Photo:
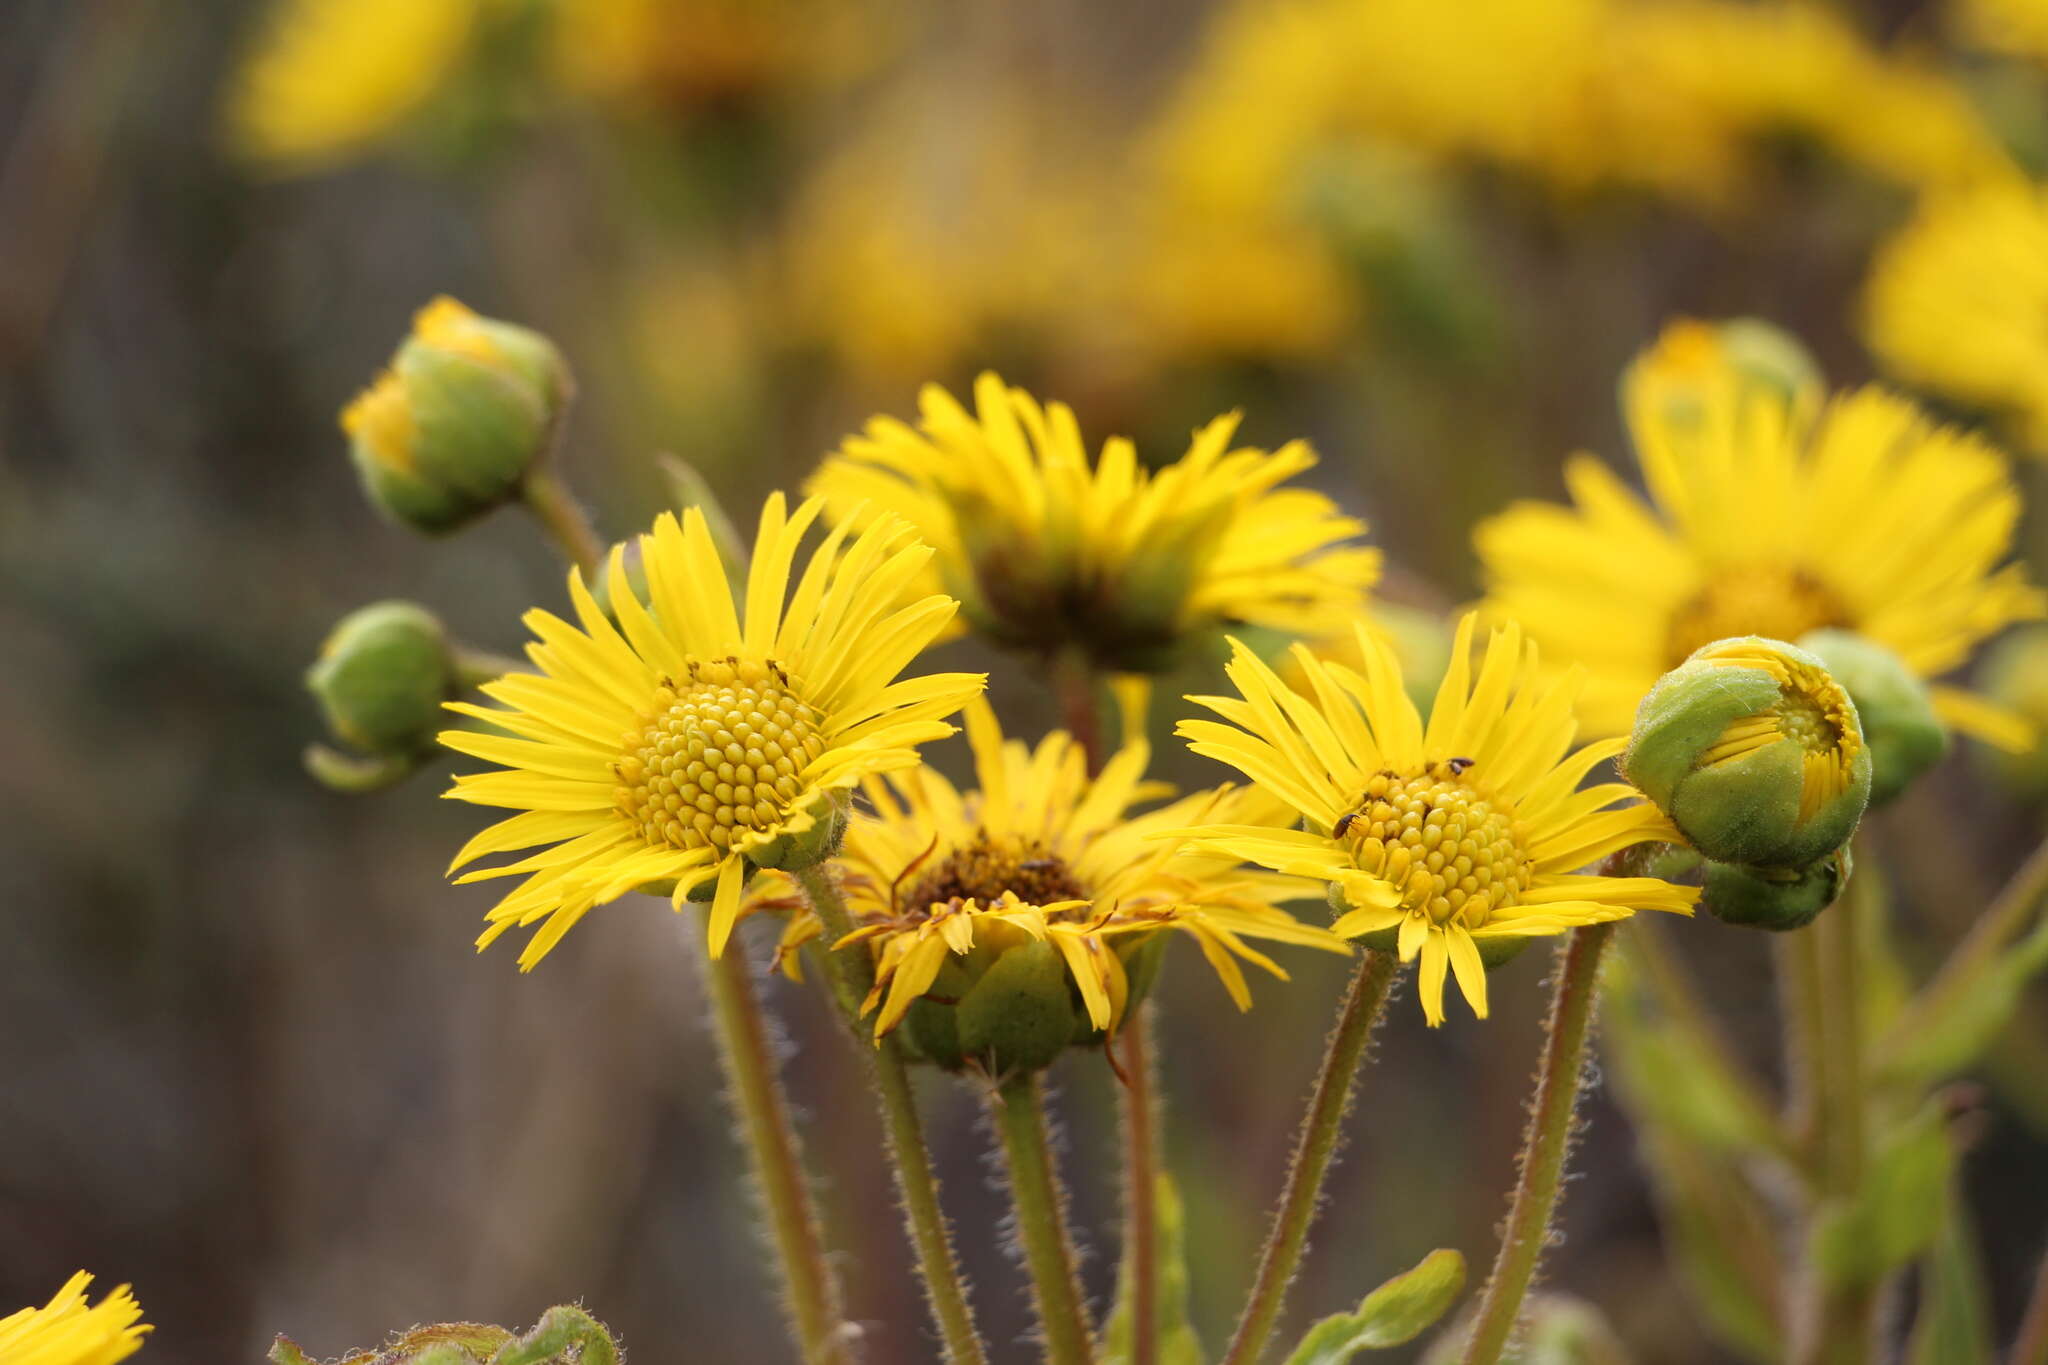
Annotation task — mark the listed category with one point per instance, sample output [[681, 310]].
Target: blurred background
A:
[[252, 1064]]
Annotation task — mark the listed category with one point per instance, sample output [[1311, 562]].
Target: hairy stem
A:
[[810, 1290], [852, 975], [1140, 1113], [564, 519], [1314, 1149], [1546, 1142], [1040, 1203]]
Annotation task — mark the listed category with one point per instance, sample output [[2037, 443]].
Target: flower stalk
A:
[[1545, 1143], [1314, 1149], [564, 519], [811, 1293], [852, 976], [1039, 1200], [1140, 1114]]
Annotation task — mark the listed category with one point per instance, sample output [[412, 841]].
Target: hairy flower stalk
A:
[[851, 974], [1039, 1201], [1546, 1142]]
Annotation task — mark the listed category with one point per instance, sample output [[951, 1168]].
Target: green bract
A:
[[1905, 737], [382, 676], [1774, 898]]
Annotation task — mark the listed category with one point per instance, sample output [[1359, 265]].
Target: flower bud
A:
[[381, 678], [1693, 364], [1774, 897], [2015, 677], [1754, 751], [450, 430], [1905, 737]]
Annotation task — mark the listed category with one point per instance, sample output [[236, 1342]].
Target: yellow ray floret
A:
[[1446, 833], [1767, 515], [66, 1331], [678, 746], [1042, 850], [1047, 549]]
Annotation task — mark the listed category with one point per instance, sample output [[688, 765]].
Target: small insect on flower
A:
[[681, 748], [1445, 859]]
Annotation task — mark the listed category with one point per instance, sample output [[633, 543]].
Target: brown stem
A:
[[1075, 681]]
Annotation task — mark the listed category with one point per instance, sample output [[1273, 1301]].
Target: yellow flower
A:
[[327, 78], [1049, 553], [1468, 832], [66, 1332], [1767, 516], [679, 746], [2017, 28], [1955, 303], [1042, 853]]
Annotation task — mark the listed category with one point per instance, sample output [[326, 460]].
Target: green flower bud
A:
[[2015, 677], [1774, 897], [382, 676], [1905, 737], [1755, 752], [465, 410], [1020, 1016]]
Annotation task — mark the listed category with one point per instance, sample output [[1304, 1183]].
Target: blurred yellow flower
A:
[[2018, 28], [327, 78], [1770, 514], [1440, 838], [686, 53], [1956, 301], [65, 1331], [945, 881], [681, 747], [1049, 553]]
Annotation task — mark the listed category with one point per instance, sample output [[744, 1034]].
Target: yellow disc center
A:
[[1451, 847], [1778, 603], [720, 752], [984, 869]]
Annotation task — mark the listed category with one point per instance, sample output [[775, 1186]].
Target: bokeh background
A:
[[251, 1063]]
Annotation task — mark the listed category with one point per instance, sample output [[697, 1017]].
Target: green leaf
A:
[[1178, 1344], [1898, 1212], [1723, 1242], [1953, 1325], [1398, 1311], [1669, 1078], [560, 1328], [1949, 1031]]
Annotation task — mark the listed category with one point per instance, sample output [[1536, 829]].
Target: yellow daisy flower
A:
[[328, 78], [1049, 553], [65, 1331], [2017, 28], [681, 747], [1043, 853], [1770, 514], [1467, 832], [1955, 301]]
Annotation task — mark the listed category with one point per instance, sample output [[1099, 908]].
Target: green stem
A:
[[1040, 1204], [852, 975], [1314, 1148], [564, 519], [1799, 972], [1140, 1114], [1545, 1143], [1835, 1321], [810, 1291], [475, 667]]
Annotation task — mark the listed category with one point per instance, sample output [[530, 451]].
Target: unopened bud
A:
[[1905, 737], [465, 410], [381, 678], [1755, 752], [1772, 897], [1693, 366]]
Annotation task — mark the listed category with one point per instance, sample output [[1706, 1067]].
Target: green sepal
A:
[[1774, 898], [795, 851], [1020, 1015], [1397, 1312]]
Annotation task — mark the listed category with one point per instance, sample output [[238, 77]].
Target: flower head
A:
[[1955, 301], [680, 747], [1466, 831], [1770, 517], [1042, 860], [65, 1331], [1047, 552]]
